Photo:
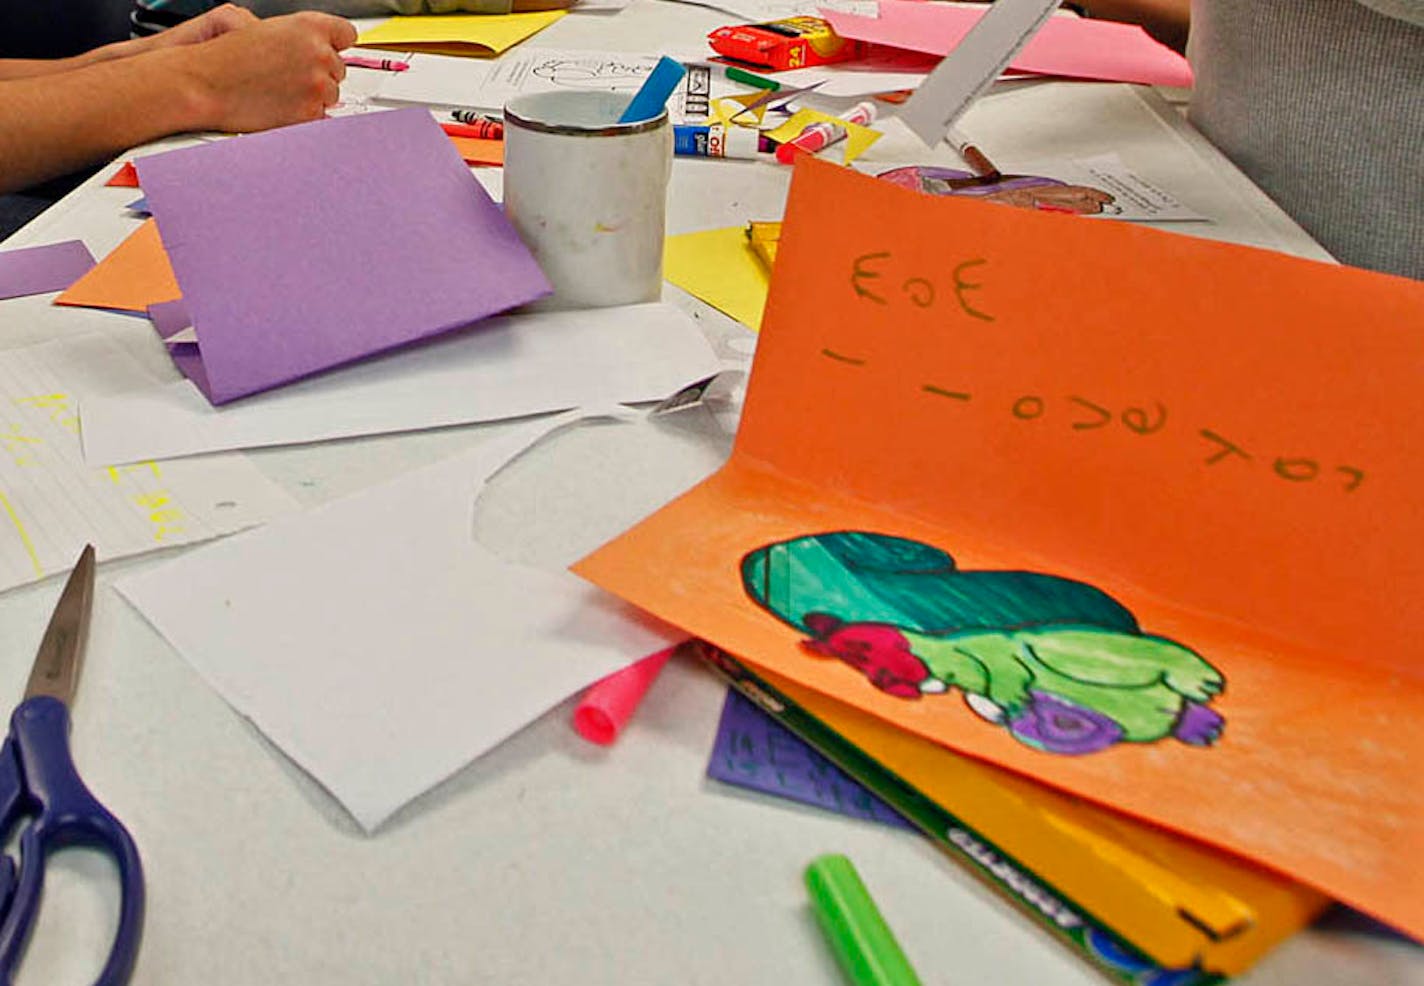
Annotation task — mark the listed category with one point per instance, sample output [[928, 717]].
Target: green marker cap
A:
[[859, 936]]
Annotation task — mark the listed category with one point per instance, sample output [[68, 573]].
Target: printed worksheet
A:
[[52, 504], [442, 80]]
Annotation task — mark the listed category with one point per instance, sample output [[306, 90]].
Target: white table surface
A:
[[548, 861]]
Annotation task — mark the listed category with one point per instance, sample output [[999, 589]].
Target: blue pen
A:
[[649, 100]]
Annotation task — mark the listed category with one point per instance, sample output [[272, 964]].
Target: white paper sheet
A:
[[973, 65], [377, 643], [52, 503], [444, 80], [505, 367]]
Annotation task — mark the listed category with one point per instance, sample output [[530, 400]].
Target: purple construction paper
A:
[[372, 234], [169, 318], [755, 751], [36, 270]]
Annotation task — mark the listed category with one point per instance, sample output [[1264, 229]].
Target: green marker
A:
[[751, 79], [862, 941]]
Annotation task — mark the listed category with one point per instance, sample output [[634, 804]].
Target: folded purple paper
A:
[[37, 270], [372, 235]]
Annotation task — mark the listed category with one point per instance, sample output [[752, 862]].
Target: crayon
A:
[[383, 64], [480, 129]]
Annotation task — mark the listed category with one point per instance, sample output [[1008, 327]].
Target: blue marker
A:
[[649, 101]]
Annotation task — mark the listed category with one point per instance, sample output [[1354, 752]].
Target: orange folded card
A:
[[1128, 512]]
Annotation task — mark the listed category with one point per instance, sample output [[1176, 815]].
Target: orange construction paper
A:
[[135, 275], [479, 150], [1222, 439], [125, 177]]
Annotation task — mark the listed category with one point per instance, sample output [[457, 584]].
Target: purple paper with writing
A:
[[755, 751], [37, 270], [372, 234]]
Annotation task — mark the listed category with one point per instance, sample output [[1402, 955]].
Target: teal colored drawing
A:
[[1060, 664]]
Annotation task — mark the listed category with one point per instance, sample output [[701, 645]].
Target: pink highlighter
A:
[[607, 706], [822, 134]]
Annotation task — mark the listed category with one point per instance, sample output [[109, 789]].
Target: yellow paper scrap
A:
[[719, 267], [858, 138], [727, 107], [457, 34]]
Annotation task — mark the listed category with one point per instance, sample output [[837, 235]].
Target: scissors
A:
[[39, 785]]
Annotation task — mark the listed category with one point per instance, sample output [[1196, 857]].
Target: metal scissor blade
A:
[[56, 669], [785, 94]]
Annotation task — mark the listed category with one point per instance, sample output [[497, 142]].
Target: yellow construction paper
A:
[[719, 267], [858, 138], [457, 34], [738, 107]]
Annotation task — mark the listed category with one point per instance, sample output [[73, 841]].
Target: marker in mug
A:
[[822, 134], [383, 64], [650, 99]]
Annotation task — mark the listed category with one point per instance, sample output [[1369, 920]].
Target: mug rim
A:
[[512, 116]]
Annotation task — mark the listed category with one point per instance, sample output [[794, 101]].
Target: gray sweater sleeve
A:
[[377, 8]]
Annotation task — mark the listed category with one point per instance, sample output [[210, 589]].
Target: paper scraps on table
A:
[[134, 276], [1075, 47], [272, 301], [479, 150], [719, 267], [1139, 536], [52, 503], [125, 177], [857, 141], [754, 751], [402, 619], [506, 367], [42, 269], [457, 34]]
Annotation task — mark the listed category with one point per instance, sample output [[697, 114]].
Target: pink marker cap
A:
[[610, 703]]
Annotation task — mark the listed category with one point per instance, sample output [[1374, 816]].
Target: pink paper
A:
[[606, 707], [1075, 47]]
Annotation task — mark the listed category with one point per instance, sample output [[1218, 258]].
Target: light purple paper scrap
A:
[[373, 234], [37, 270], [755, 751]]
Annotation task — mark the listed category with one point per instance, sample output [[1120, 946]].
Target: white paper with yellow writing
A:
[[52, 504]]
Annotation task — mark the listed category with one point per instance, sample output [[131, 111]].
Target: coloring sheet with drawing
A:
[[52, 503], [442, 80]]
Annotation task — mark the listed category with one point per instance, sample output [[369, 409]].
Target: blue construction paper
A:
[[755, 751]]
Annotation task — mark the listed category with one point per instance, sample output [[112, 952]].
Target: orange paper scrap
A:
[[1144, 526], [479, 150], [135, 275]]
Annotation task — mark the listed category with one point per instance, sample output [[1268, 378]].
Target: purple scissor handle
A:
[[40, 787]]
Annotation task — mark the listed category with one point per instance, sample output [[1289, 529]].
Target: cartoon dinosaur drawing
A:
[[1060, 664]]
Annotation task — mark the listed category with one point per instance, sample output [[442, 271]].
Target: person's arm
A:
[[277, 72], [211, 24], [1166, 20]]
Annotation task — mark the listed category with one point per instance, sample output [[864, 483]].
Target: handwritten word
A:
[[160, 509], [19, 446], [869, 268], [14, 517], [60, 411], [1085, 414]]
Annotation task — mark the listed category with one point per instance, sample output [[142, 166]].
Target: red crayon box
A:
[[795, 42]]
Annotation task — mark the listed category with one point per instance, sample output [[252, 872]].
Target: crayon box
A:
[[795, 42]]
